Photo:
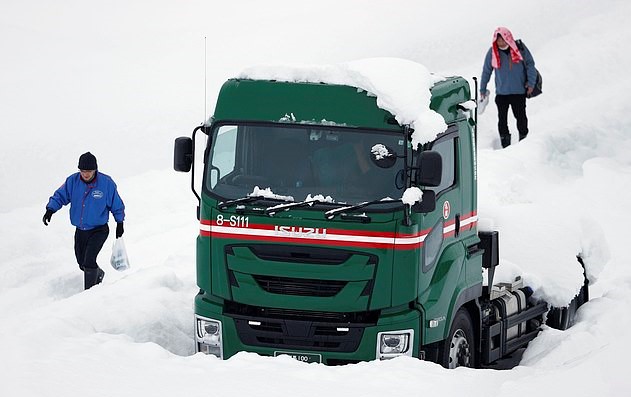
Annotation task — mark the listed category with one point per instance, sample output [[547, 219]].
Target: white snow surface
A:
[[123, 79]]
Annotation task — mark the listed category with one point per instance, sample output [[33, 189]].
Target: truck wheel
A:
[[458, 349]]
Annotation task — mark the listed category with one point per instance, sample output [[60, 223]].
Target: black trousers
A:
[[517, 103], [87, 245]]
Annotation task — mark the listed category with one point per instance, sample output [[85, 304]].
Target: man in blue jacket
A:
[[92, 195], [515, 78]]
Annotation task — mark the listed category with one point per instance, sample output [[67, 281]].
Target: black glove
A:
[[119, 230], [47, 216]]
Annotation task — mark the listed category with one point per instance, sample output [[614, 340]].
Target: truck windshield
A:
[[300, 162]]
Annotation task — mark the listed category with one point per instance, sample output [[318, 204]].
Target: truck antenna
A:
[[205, 77], [475, 79]]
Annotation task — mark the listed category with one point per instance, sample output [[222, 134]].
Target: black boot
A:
[[90, 277], [505, 139], [99, 276], [521, 137]]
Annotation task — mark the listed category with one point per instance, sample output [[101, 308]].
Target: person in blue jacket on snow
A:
[[515, 78], [92, 195]]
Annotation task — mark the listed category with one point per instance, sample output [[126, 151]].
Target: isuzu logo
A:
[[300, 232]]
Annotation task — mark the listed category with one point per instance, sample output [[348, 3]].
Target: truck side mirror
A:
[[427, 204], [430, 170], [183, 154]]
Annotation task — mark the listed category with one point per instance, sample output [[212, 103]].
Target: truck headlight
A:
[[208, 336], [394, 343]]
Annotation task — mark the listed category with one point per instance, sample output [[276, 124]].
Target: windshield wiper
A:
[[331, 213], [248, 199], [245, 200], [280, 207]]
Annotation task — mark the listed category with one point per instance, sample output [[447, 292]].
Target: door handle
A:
[[457, 224]]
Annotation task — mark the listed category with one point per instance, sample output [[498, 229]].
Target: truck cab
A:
[[307, 249]]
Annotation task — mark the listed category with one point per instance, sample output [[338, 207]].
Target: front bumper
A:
[[330, 338]]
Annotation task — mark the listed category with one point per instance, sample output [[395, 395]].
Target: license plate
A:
[[303, 357]]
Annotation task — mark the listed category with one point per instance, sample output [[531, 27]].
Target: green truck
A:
[[306, 248]]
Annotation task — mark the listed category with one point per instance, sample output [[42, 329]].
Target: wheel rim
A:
[[459, 353]]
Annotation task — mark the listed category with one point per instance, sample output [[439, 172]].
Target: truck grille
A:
[[300, 286], [298, 254], [296, 334], [234, 309], [299, 329]]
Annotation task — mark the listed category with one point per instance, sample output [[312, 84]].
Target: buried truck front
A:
[[306, 248]]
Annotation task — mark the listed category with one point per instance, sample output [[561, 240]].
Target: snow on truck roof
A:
[[402, 87]]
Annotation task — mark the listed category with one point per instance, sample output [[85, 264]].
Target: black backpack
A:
[[539, 83]]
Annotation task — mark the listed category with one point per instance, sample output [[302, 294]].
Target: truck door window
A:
[[447, 150], [223, 158]]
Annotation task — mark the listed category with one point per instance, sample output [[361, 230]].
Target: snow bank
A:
[[543, 222], [564, 190]]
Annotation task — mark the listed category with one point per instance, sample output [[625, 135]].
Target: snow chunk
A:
[[288, 118], [402, 87], [412, 195], [267, 193], [380, 151], [332, 123], [321, 198], [469, 105]]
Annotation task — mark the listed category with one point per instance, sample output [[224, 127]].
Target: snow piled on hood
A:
[[402, 87]]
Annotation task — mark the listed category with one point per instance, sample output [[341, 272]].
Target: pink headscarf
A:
[[508, 38]]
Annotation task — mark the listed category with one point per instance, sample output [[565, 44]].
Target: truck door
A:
[[442, 254], [444, 223]]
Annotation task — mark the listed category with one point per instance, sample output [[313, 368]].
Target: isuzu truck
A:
[[308, 248]]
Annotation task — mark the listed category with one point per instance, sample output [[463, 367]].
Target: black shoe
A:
[[505, 140], [522, 137]]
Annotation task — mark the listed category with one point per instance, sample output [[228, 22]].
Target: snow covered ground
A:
[[123, 79]]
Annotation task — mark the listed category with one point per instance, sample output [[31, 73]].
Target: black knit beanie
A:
[[87, 162]]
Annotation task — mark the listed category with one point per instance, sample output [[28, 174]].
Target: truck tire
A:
[[458, 350]]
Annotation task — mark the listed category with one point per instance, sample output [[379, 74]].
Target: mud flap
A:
[[564, 317]]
